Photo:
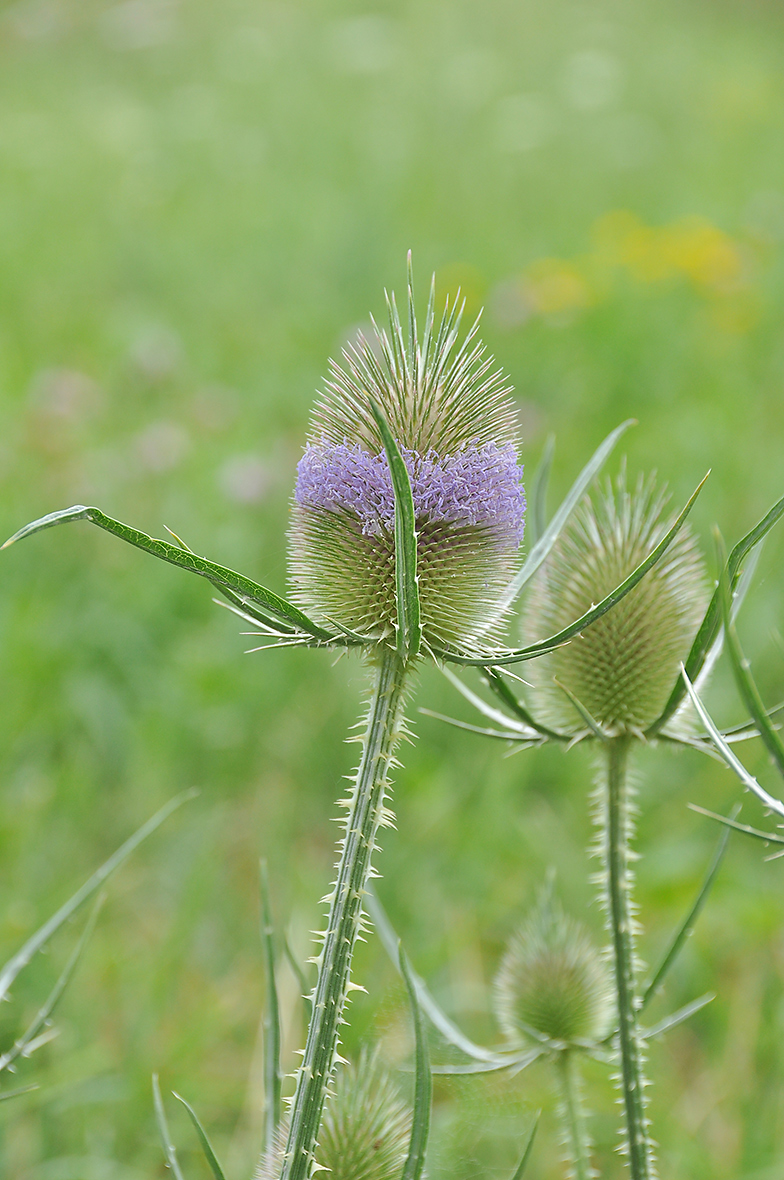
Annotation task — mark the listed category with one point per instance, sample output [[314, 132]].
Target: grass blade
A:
[[709, 628], [169, 1150], [409, 628], [20, 960], [423, 1086], [241, 589], [729, 757], [272, 1076], [529, 1147], [550, 535], [206, 1146], [498, 659], [23, 1046], [687, 925], [437, 1017]]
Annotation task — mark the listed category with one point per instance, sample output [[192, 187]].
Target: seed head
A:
[[552, 981], [623, 667], [450, 412]]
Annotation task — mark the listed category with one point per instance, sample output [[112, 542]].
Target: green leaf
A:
[[678, 940], [497, 684], [409, 629], [272, 1073], [727, 754], [529, 1147], [169, 1150], [438, 1018], [206, 1146], [747, 686], [25, 1044], [423, 1086], [550, 535], [18, 1092], [514, 1061], [537, 509], [242, 591], [676, 1018], [510, 735], [767, 837], [498, 659], [20, 960], [709, 627]]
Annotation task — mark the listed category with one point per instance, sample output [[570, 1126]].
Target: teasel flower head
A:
[[552, 982], [451, 415], [365, 1129], [622, 668]]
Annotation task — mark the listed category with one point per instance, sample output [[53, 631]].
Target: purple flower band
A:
[[478, 486]]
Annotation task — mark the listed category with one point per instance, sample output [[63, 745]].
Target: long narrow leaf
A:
[[766, 837], [529, 1147], [687, 925], [511, 735], [513, 1061], [591, 722], [409, 629], [437, 1017], [497, 684], [22, 1046], [272, 1075], [498, 659], [423, 1085], [206, 1146], [169, 1150], [734, 763], [239, 587], [550, 535], [18, 1092], [20, 960], [709, 627], [749, 691], [676, 1018]]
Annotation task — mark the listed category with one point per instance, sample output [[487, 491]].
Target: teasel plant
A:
[[623, 683], [407, 521]]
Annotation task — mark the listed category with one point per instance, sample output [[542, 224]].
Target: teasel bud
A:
[[365, 1128], [623, 667], [552, 982], [451, 415]]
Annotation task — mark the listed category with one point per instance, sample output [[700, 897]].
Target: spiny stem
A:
[[345, 915], [577, 1140], [617, 831]]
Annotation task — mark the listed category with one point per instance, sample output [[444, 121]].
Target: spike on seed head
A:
[[451, 415], [621, 668]]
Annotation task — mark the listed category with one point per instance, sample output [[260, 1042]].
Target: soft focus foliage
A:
[[198, 203]]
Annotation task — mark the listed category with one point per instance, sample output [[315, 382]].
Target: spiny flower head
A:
[[623, 667], [365, 1128], [552, 981], [451, 415]]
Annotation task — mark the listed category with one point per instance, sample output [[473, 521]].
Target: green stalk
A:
[[366, 812], [577, 1141], [617, 826]]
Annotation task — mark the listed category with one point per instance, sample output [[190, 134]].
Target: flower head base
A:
[[552, 982], [621, 668], [453, 420]]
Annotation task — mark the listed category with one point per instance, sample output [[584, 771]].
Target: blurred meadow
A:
[[199, 203]]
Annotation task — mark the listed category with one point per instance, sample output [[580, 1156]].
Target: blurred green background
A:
[[199, 203]]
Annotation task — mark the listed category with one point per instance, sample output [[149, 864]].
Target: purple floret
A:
[[478, 486]]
